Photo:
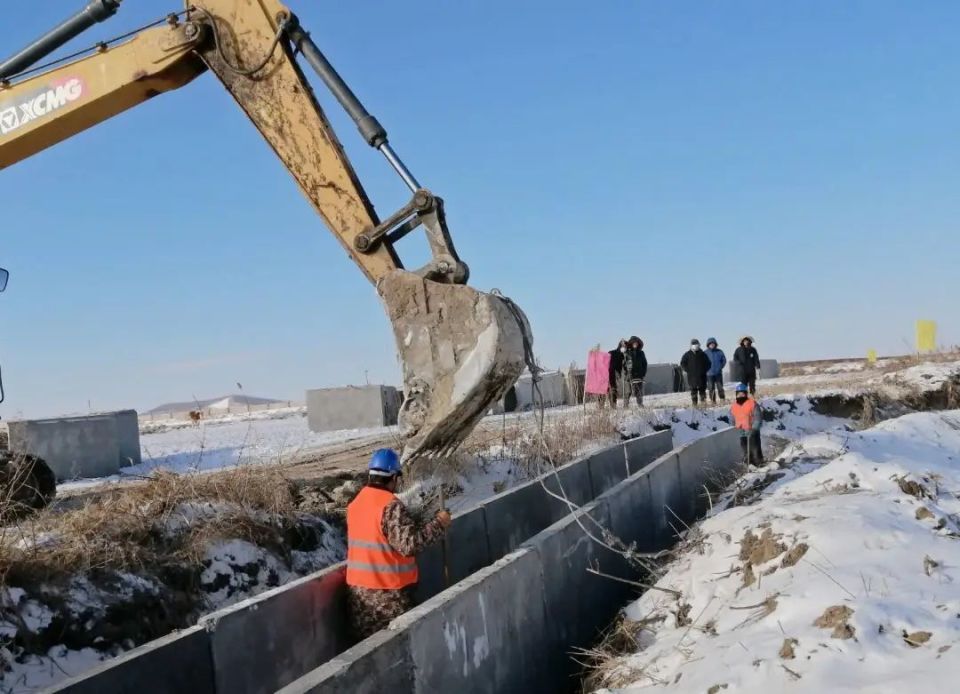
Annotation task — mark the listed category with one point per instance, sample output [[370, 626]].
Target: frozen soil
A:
[[827, 570]]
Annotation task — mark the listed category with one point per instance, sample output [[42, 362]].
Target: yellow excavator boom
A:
[[461, 349]]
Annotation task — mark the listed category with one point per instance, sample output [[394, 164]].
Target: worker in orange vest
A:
[[382, 541], [748, 417]]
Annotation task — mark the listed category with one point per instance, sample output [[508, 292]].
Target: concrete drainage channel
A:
[[520, 597]]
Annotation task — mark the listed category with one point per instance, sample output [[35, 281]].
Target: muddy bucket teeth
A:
[[461, 351]]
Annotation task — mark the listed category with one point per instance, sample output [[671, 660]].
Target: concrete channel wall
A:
[[510, 626], [261, 644]]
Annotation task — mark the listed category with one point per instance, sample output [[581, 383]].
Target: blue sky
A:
[[622, 167]]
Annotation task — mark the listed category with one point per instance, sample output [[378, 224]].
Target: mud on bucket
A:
[[461, 351]]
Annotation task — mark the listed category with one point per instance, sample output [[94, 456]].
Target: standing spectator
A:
[[715, 375], [617, 357], [696, 364], [635, 369], [747, 418], [747, 363]]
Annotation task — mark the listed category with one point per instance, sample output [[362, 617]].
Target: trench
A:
[[495, 611]]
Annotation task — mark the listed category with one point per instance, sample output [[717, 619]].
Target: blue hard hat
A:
[[741, 388], [385, 462]]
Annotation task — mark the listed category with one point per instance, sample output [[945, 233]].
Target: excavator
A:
[[461, 349]]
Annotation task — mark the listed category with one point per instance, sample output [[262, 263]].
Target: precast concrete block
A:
[[128, 437], [769, 368], [380, 663], [643, 450], [579, 604], [666, 495], [553, 390], [77, 447], [352, 407], [607, 468], [483, 634], [268, 641], [178, 662], [463, 551], [661, 378]]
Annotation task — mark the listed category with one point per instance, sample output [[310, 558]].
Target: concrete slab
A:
[[178, 662], [266, 642], [481, 635], [520, 513], [381, 663], [465, 551], [661, 378], [769, 368], [352, 407], [578, 604], [607, 468], [643, 450], [553, 390], [707, 466], [631, 511], [77, 447], [665, 497]]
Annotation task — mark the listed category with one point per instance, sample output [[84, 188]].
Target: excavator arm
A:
[[461, 349]]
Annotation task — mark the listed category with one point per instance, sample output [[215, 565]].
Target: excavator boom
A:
[[461, 349]]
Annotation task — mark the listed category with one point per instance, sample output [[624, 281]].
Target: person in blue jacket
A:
[[715, 374]]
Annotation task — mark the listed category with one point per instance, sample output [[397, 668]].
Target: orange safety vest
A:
[[371, 561], [743, 414]]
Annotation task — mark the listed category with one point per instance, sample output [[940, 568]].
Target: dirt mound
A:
[[836, 618], [759, 550], [793, 555]]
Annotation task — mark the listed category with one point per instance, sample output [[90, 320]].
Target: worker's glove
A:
[[444, 518]]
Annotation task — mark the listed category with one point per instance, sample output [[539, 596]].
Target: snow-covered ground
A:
[[843, 576], [230, 442]]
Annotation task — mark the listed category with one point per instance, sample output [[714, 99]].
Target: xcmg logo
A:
[[16, 114]]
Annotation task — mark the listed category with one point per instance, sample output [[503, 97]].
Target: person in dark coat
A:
[[635, 367], [746, 364], [616, 370], [696, 364]]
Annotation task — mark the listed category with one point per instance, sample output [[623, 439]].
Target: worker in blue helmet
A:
[[383, 540], [748, 418]]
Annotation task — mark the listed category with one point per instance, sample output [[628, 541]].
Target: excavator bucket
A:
[[461, 351]]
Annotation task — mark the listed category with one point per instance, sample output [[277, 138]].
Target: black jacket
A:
[[638, 363], [616, 365], [695, 364], [746, 362]]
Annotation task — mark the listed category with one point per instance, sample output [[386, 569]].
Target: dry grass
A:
[[604, 664], [565, 437], [147, 526]]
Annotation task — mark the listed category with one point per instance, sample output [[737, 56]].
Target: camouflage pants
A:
[[371, 609]]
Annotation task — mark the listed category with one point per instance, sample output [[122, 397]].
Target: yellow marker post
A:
[[926, 336], [871, 356]]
